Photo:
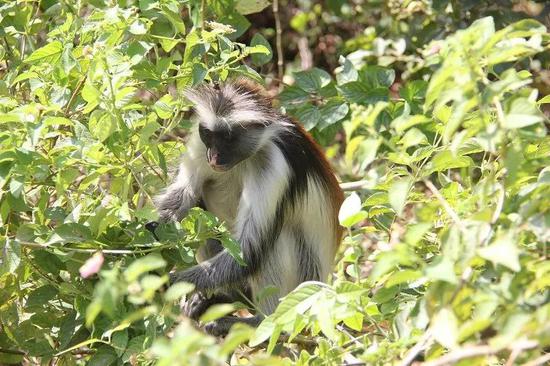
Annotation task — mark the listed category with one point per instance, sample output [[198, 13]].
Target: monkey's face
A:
[[228, 145]]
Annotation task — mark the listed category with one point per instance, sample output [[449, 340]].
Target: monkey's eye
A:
[[254, 126], [204, 133]]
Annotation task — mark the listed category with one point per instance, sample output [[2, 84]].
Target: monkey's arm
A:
[[183, 194], [222, 270], [258, 224]]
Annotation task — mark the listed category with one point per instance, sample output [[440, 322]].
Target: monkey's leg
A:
[[220, 327]]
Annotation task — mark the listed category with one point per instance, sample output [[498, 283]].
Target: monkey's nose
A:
[[215, 158]]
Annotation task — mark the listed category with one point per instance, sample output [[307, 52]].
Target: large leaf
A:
[[50, 53]]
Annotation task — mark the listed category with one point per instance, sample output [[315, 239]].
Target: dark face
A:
[[227, 147]]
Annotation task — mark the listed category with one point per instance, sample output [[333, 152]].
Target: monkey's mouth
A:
[[220, 168]]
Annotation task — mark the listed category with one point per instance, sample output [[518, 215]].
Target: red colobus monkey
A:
[[263, 175]]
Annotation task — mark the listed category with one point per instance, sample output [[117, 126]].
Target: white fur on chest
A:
[[221, 195]]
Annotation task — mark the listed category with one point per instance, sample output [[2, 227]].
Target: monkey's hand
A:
[[197, 303], [220, 271], [152, 226], [174, 203], [196, 275]]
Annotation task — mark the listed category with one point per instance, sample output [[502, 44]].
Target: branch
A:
[[445, 204], [427, 338], [12, 351], [278, 41], [353, 186], [475, 351], [75, 93], [542, 360], [417, 348]]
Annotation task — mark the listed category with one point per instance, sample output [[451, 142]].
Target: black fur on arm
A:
[[222, 270], [175, 202]]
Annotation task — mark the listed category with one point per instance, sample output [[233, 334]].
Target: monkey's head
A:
[[235, 120]]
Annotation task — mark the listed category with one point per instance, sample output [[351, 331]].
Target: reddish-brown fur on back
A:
[[336, 193]]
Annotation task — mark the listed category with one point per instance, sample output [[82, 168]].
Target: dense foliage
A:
[[435, 117]]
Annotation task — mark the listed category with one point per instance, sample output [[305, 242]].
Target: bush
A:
[[446, 252]]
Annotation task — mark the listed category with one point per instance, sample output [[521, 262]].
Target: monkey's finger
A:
[[151, 227]]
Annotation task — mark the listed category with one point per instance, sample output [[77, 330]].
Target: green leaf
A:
[[41, 296], [377, 76], [521, 112], [260, 59], [322, 308], [102, 125], [297, 302], [139, 27], [50, 53], [246, 7], [349, 209], [265, 330], [105, 355], [416, 232], [413, 137], [441, 269], [312, 80], [217, 311], [164, 106], [69, 233], [445, 328], [233, 248], [347, 72], [398, 193], [199, 73], [293, 95], [178, 290], [309, 115], [10, 257], [502, 251], [332, 112], [174, 18], [447, 160], [142, 265], [136, 345], [360, 93], [238, 335]]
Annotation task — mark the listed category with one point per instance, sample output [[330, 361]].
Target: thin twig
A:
[[75, 93], [500, 112], [427, 338], [475, 351], [12, 351], [542, 360], [453, 215], [104, 251], [512, 358], [278, 41], [351, 337], [203, 4], [299, 339], [420, 346], [353, 186]]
